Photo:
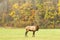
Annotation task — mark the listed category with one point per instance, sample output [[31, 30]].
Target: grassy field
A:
[[18, 34]]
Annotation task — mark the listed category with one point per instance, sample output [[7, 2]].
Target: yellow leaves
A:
[[49, 16], [59, 7], [59, 13], [52, 17], [15, 18], [59, 10], [52, 8], [39, 6], [58, 2], [12, 13], [25, 5], [46, 16], [22, 11], [16, 6], [58, 21]]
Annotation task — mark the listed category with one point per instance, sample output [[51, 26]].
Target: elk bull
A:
[[31, 28]]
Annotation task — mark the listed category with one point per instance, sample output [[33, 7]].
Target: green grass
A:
[[18, 34]]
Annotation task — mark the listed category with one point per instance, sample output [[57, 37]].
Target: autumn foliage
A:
[[20, 13]]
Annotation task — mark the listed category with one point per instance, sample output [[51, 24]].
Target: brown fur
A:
[[31, 28]]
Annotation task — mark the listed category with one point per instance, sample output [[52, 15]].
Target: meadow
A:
[[18, 34]]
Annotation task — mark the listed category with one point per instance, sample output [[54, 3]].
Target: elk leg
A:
[[33, 33], [26, 33]]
